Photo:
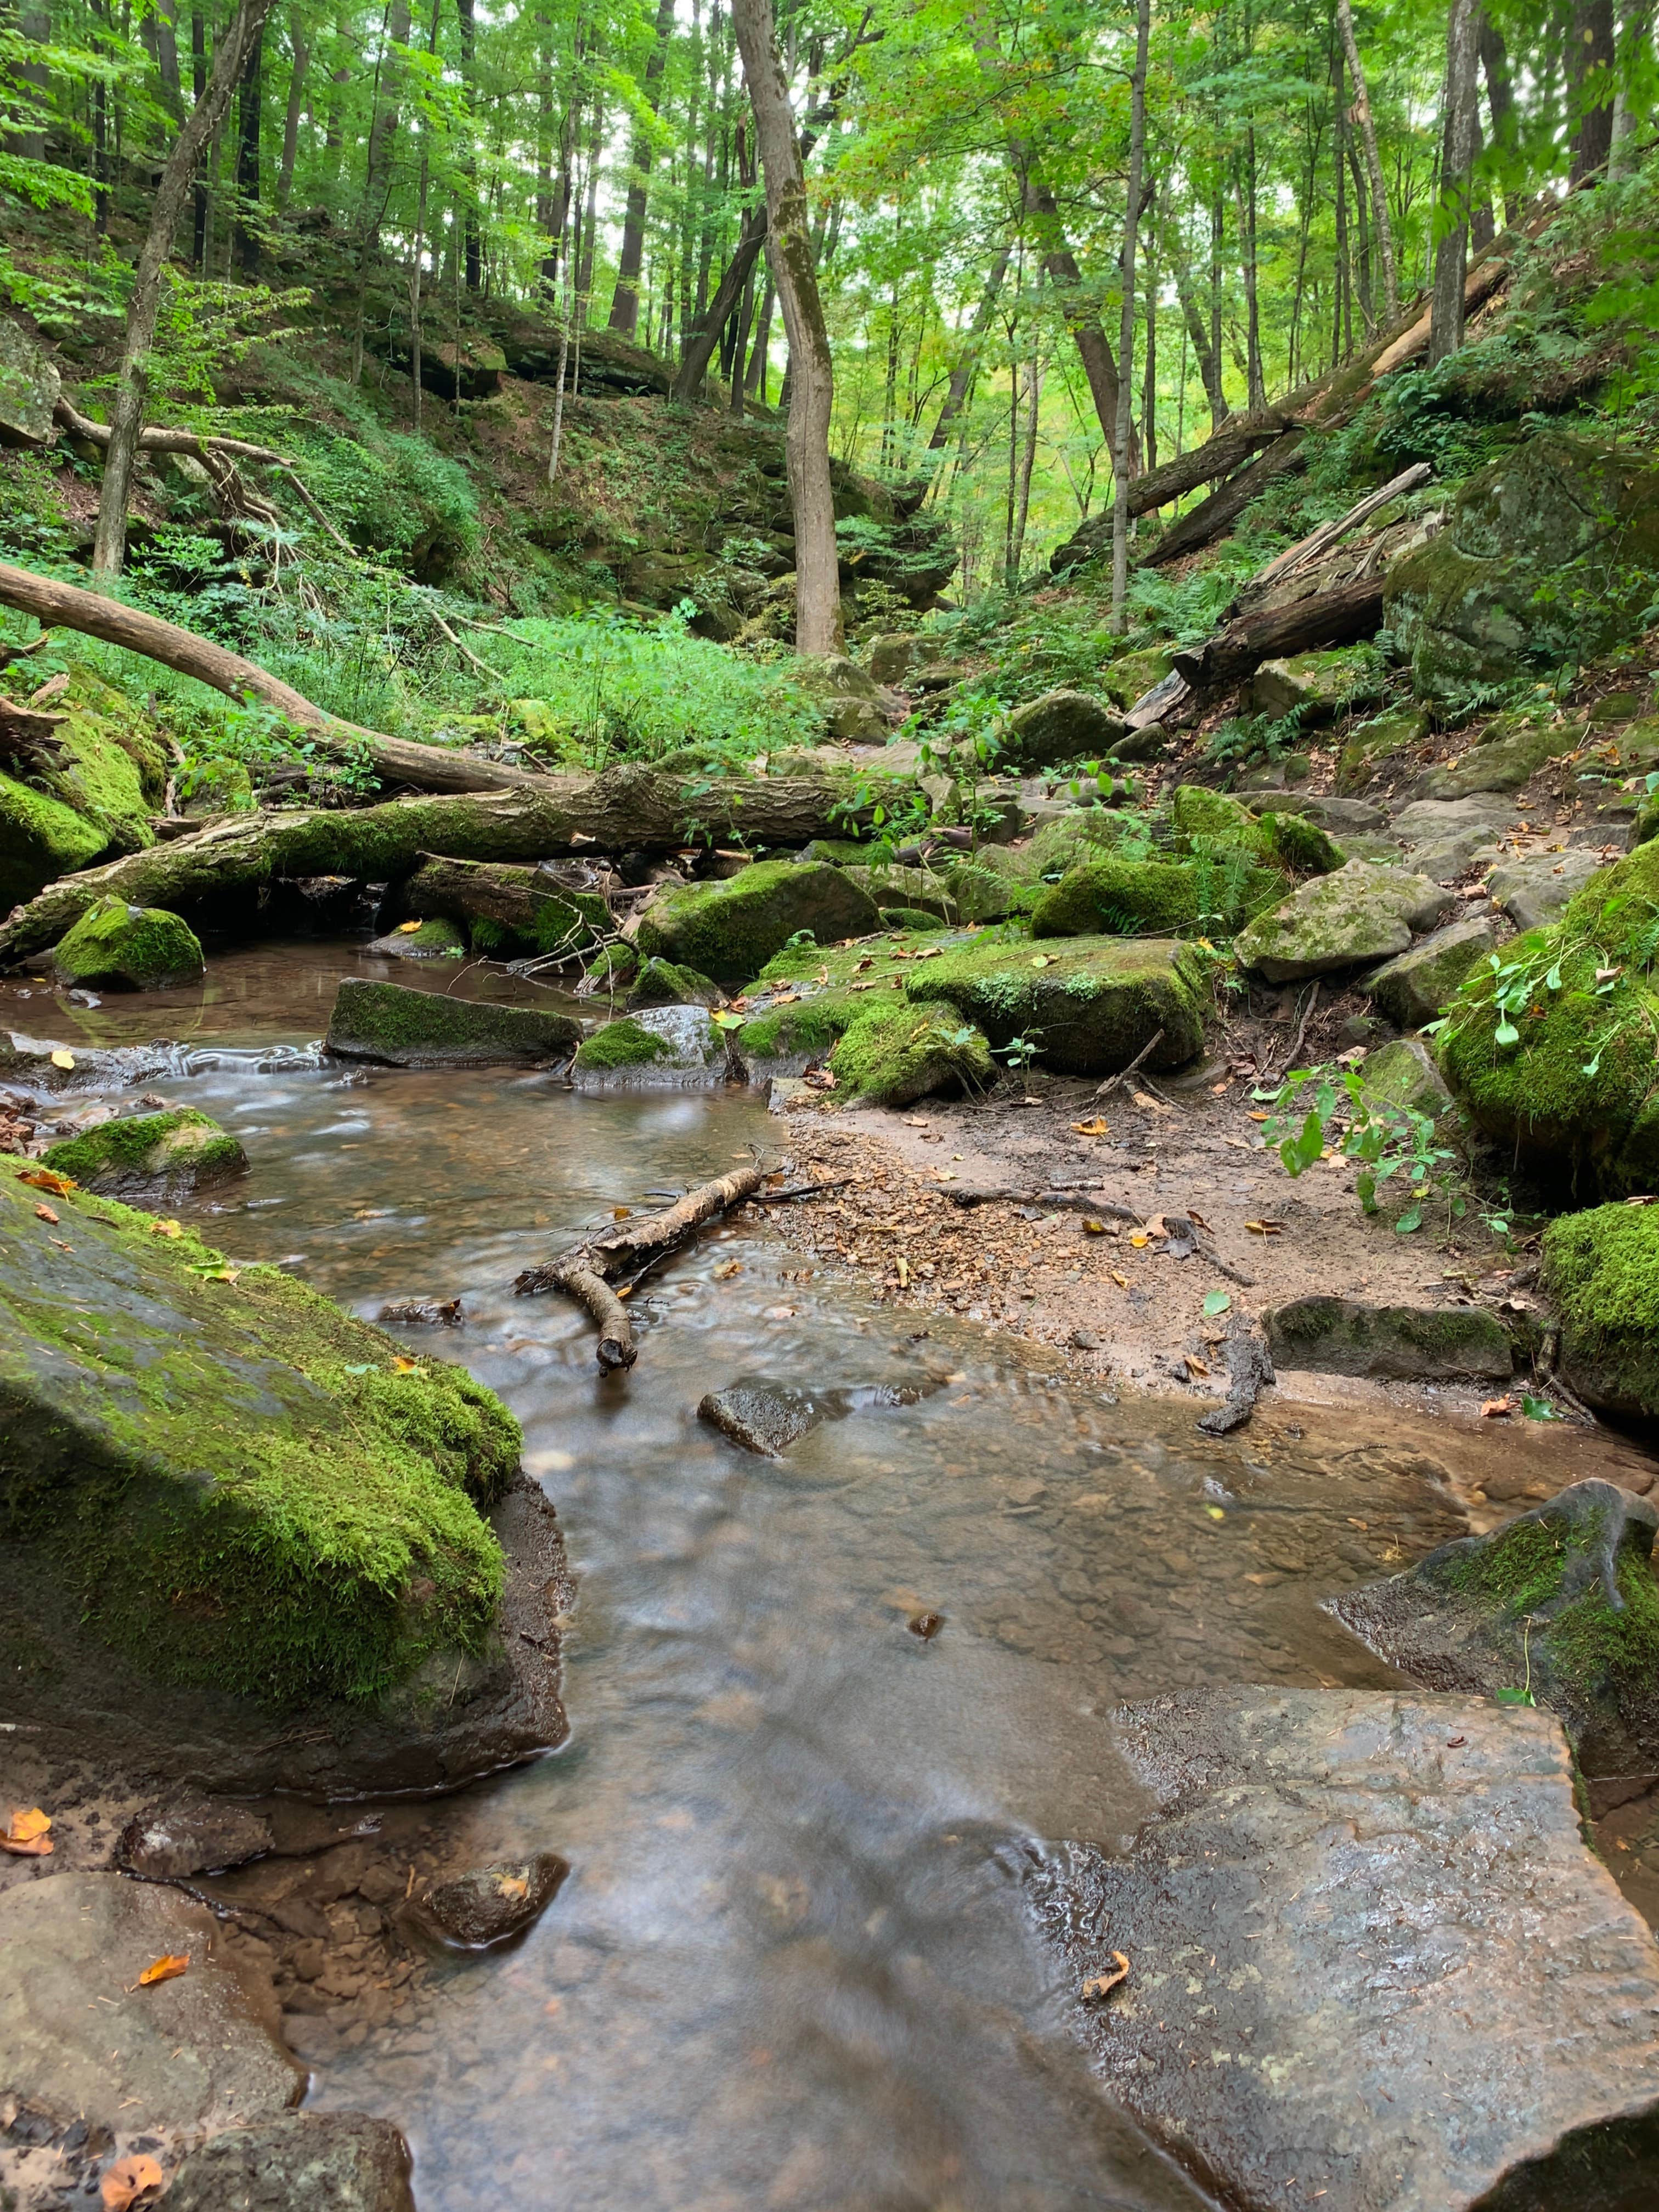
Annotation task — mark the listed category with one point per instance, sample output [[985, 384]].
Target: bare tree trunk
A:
[[962, 375], [625, 300], [806, 441], [110, 546], [1452, 251], [1256, 381], [166, 55], [1500, 94], [203, 227], [250, 103], [1590, 65], [30, 144], [469, 213], [1125, 346], [300, 42], [1382, 227]]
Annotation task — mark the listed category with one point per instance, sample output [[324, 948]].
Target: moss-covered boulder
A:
[[219, 786], [911, 919], [1411, 989], [1370, 746], [1133, 675], [1551, 1046], [161, 1156], [849, 696], [1088, 1003], [115, 946], [730, 930], [1061, 725], [1402, 1073], [1558, 1607], [1211, 825], [893, 1055], [402, 1028], [1366, 911], [225, 1503], [661, 983], [1600, 1273], [1119, 897], [662, 1048], [1315, 687], [1549, 554], [29, 387], [1392, 1343], [1512, 751], [102, 767], [40, 839], [439, 938]]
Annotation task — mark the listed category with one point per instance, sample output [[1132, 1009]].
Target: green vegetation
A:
[[623, 1043], [114, 945], [179, 1147]]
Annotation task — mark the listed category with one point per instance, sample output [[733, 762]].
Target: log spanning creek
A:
[[827, 1922]]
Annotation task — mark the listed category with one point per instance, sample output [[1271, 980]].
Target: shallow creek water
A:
[[791, 1966]]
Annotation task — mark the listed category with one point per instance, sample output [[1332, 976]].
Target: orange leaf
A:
[[406, 928], [1094, 1228], [129, 2179], [1095, 1128], [167, 1968], [1266, 1228], [1101, 1985], [1495, 1409], [402, 1366], [621, 1212], [45, 1179], [27, 1837], [164, 1229], [44, 1212]]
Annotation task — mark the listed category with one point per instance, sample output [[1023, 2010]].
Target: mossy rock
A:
[[436, 938], [924, 890], [115, 946], [1155, 898], [894, 1054], [1299, 846], [219, 787], [1601, 1272], [1575, 1092], [1402, 1073], [668, 1048], [910, 918], [730, 930], [1133, 675], [40, 839], [782, 1040], [1197, 814], [661, 983], [1391, 1343], [1212, 822], [1089, 1005], [1369, 744], [1061, 725], [163, 1156], [238, 1486], [1365, 912], [1317, 686], [398, 1027], [1511, 752], [1411, 989], [97, 774]]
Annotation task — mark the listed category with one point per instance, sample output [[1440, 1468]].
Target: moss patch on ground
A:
[[242, 1486]]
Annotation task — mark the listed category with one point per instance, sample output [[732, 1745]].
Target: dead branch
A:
[[1146, 1052], [1338, 617], [616, 1348], [1320, 541]]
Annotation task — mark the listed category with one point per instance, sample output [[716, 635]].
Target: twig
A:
[[1146, 1053], [802, 1190], [463, 649], [1308, 1005]]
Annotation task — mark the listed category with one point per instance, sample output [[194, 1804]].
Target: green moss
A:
[[1600, 1270], [892, 1054], [97, 776], [1089, 1004], [623, 1043], [1120, 898], [661, 983], [1369, 744], [234, 1479], [911, 919], [437, 939], [180, 1146], [41, 838], [810, 1027], [139, 948], [730, 930], [391, 1022], [1299, 846], [1198, 813], [1586, 1645]]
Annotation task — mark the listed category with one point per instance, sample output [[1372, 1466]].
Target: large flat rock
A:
[[1364, 912], [1371, 1962], [403, 1028]]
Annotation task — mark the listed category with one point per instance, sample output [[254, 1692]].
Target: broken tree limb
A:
[[1320, 542], [1228, 449], [627, 809], [1225, 504], [394, 760], [1354, 610], [630, 1254]]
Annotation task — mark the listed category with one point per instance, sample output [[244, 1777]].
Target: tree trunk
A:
[[30, 144], [166, 55], [1209, 363], [297, 99], [702, 339], [110, 546], [1355, 610], [250, 101], [625, 300], [1500, 96], [962, 374], [806, 439], [1255, 382], [1591, 61], [471, 243], [1059, 265], [1207, 522], [1451, 252], [1125, 347], [1382, 226]]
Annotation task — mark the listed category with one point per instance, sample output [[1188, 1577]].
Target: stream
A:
[[791, 1965]]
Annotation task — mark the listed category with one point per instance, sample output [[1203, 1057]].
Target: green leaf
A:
[[1553, 981], [1410, 1219], [1515, 1697], [1593, 1066], [1366, 1190], [1538, 1409], [1506, 1033], [1217, 1302]]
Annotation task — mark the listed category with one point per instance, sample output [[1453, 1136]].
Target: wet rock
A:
[[115, 946], [358, 1571], [192, 1834], [79, 2038], [730, 930], [1091, 1007], [1557, 1608], [1601, 1271], [1538, 888], [1364, 912], [397, 1027], [421, 1313], [764, 1418], [1371, 1961], [29, 387], [1061, 725], [665, 1047], [306, 2162], [435, 938], [1411, 989], [488, 1905], [155, 1155], [661, 983], [1392, 1343]]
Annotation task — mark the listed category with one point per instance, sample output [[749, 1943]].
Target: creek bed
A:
[[792, 1964]]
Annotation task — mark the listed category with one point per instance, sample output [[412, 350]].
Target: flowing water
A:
[[791, 1966]]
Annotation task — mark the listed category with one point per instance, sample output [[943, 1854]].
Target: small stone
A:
[[319, 2162], [1411, 989], [489, 1905], [309, 1959], [662, 1047], [763, 1418], [152, 1156], [193, 1835], [436, 938], [1399, 1343]]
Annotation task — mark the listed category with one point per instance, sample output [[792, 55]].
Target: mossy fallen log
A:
[[627, 809]]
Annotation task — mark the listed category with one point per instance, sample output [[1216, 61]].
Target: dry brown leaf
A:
[[1194, 1364], [1095, 1128], [46, 1179], [167, 1968], [27, 1837], [44, 1213], [1266, 1228], [1122, 1281], [1100, 1985], [129, 2179], [1495, 1409], [164, 1229], [726, 1269]]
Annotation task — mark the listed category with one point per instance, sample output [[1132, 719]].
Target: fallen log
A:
[[1219, 456], [1327, 618], [1320, 542], [1223, 506], [394, 760], [627, 809], [628, 1255]]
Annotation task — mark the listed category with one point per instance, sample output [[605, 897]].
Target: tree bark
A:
[[1355, 610], [132, 383], [701, 341], [1060, 265], [1457, 156], [1126, 343], [962, 375], [625, 300], [249, 102], [1591, 60], [1207, 522], [806, 437], [628, 809], [301, 45], [1382, 227]]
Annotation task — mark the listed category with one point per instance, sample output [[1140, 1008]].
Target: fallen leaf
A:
[[726, 1269], [62, 1058], [1122, 1281], [1494, 1409], [512, 1886], [164, 1229], [167, 1968], [1260, 1117], [45, 1213], [1043, 960], [406, 928], [27, 1837], [46, 1179], [129, 2179], [621, 1212], [1266, 1228], [1095, 1128], [402, 1366], [1138, 1239], [903, 1272], [1100, 1985], [1197, 1218], [1093, 1227], [1194, 1364]]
